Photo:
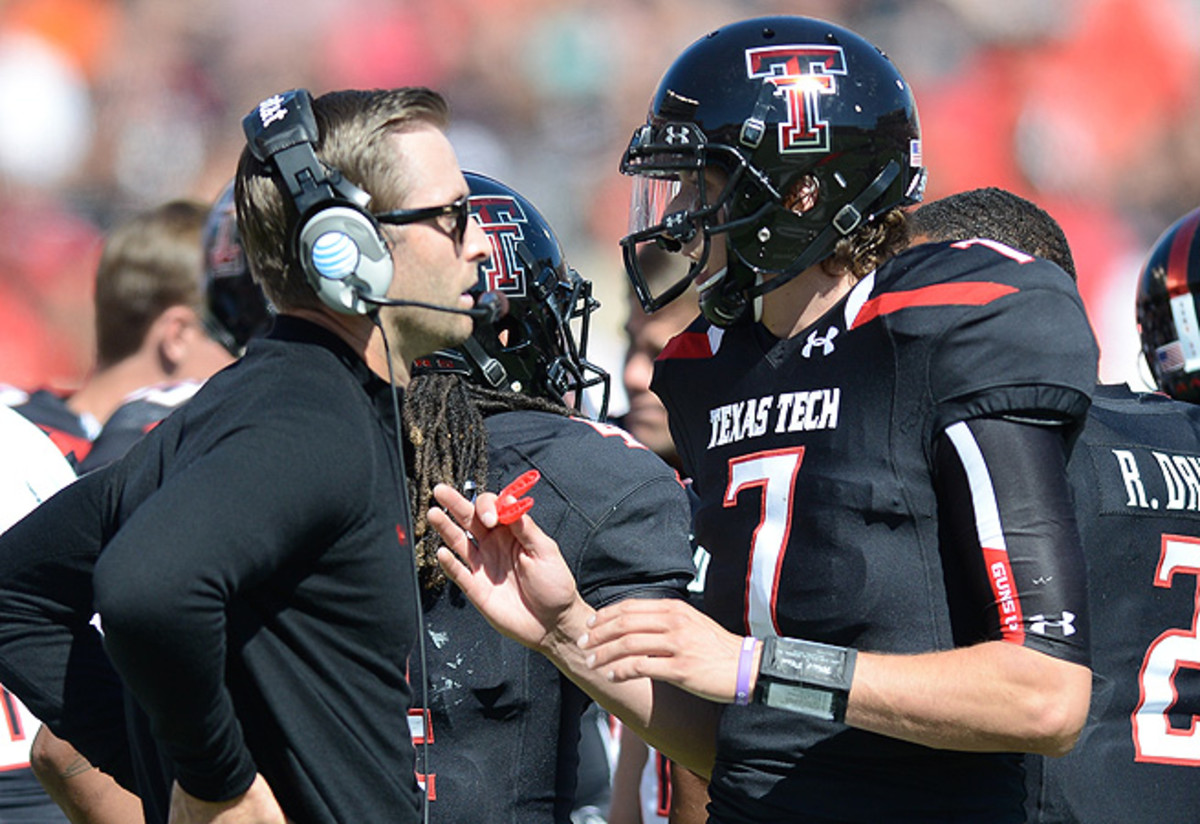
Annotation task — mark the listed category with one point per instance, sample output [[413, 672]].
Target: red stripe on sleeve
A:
[[941, 294], [1004, 590]]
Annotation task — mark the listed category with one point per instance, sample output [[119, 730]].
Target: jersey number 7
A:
[[775, 471]]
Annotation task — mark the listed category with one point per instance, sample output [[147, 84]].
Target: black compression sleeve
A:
[[1011, 553]]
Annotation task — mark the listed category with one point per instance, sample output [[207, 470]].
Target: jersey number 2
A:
[[775, 471], [1154, 740]]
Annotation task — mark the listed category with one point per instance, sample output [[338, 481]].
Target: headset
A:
[[339, 245]]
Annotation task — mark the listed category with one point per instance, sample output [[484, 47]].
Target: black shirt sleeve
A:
[[259, 500]]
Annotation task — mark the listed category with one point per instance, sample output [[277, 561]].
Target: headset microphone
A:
[[491, 306]]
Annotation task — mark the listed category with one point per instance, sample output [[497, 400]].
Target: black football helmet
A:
[[1166, 309], [532, 348], [775, 105], [235, 309]]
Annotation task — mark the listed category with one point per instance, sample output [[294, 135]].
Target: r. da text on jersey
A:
[[1180, 490], [788, 412]]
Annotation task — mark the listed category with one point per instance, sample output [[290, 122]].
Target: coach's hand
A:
[[255, 806]]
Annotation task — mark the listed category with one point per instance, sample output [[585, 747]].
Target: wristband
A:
[[806, 677], [741, 696]]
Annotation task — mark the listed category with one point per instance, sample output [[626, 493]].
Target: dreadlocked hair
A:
[[444, 420], [495, 401], [449, 445]]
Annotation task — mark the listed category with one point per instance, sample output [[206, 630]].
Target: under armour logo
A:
[[826, 343], [676, 135], [1039, 623]]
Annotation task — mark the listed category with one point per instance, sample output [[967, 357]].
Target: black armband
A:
[[806, 677]]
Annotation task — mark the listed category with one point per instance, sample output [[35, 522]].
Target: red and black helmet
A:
[[235, 309], [539, 345], [1166, 309], [773, 103]]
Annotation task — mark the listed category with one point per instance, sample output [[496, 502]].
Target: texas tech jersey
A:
[[71, 433], [1136, 476], [812, 459], [503, 728], [138, 414]]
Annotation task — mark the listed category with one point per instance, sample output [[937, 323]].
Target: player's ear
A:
[[174, 332]]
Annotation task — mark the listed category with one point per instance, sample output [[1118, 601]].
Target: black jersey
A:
[[504, 722], [138, 414], [72, 434], [812, 459], [253, 575], [1136, 476]]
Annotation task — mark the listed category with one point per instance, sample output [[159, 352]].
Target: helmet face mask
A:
[[778, 105], [539, 346], [1166, 309]]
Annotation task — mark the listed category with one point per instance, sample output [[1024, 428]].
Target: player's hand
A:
[[668, 640], [513, 573], [255, 806]]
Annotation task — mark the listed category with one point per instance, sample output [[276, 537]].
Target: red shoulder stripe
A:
[[687, 345], [69, 444], [976, 293]]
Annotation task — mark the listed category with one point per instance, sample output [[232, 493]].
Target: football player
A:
[[1129, 471], [498, 739], [150, 329], [896, 605], [34, 469], [233, 311]]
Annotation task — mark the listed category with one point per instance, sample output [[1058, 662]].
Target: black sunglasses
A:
[[458, 210]]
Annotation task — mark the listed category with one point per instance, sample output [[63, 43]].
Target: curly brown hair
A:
[[871, 244]]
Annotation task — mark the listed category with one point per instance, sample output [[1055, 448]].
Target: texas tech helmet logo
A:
[[802, 75], [504, 222]]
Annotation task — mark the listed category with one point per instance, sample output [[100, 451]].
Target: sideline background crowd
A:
[[1087, 107]]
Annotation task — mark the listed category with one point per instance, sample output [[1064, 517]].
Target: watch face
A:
[[813, 701], [808, 662]]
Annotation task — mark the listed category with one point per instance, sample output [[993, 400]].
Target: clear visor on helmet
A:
[[672, 216]]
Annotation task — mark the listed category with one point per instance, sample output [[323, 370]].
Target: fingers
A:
[[455, 505], [454, 568], [625, 615], [454, 535], [631, 628], [510, 506]]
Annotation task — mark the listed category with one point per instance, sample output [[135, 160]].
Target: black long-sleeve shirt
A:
[[253, 577]]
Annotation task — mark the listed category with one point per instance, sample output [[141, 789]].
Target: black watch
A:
[[806, 677]]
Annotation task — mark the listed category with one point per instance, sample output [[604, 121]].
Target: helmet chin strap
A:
[[848, 218]]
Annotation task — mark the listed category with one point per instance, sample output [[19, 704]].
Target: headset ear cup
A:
[[345, 257]]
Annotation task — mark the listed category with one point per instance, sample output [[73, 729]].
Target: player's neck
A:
[[108, 388], [798, 304]]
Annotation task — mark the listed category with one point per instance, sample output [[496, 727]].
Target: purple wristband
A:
[[742, 695]]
